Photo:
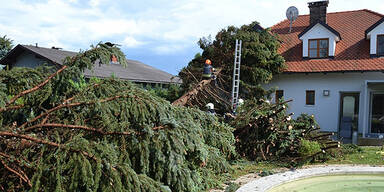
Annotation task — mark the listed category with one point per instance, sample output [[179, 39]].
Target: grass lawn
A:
[[245, 167], [349, 154], [367, 156], [359, 155]]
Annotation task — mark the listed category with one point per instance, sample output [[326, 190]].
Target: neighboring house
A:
[[135, 71], [335, 69]]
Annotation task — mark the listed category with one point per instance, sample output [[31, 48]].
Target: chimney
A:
[[318, 11]]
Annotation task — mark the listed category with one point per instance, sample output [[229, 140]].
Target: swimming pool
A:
[[339, 183], [337, 178]]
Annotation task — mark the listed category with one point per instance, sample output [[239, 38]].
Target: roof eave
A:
[[21, 47], [338, 71], [10, 54]]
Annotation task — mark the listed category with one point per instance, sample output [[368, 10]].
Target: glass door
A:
[[377, 113], [349, 114]]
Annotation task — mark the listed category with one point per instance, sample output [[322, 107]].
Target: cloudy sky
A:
[[161, 33]]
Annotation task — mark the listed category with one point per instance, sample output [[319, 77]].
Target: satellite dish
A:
[[292, 14]]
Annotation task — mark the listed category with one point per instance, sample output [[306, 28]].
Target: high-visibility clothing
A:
[[207, 72]]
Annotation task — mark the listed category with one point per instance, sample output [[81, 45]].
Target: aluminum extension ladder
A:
[[236, 75]]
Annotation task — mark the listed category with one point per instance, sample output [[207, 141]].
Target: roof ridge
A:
[[337, 12], [374, 12], [357, 10], [34, 46]]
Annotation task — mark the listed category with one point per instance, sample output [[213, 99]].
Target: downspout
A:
[[365, 112]]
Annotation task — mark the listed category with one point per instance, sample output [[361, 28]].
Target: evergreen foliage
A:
[[6, 44], [169, 92], [232, 187], [259, 60], [60, 133], [265, 131]]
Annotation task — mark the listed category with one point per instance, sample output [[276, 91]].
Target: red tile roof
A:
[[352, 52]]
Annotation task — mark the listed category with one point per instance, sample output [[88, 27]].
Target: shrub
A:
[[309, 148]]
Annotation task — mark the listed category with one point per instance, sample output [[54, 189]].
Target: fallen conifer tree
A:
[[61, 133]]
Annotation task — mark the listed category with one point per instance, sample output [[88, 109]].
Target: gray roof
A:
[[135, 71], [54, 55]]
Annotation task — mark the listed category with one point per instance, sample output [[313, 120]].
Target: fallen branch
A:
[[321, 136], [40, 141], [14, 159], [66, 105], [22, 177], [12, 108], [36, 87], [81, 127], [26, 137], [183, 100]]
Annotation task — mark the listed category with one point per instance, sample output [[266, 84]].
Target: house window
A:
[[318, 48], [278, 95], [310, 97], [380, 45]]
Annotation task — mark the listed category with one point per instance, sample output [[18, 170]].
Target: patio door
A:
[[377, 113], [349, 113]]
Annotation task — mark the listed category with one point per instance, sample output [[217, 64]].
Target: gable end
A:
[[373, 27], [324, 25]]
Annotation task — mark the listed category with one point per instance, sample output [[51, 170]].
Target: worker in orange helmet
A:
[[208, 69]]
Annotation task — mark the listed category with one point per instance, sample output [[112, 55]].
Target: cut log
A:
[[183, 100]]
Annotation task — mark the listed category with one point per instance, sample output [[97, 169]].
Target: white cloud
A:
[[168, 49], [94, 3], [165, 26], [131, 42]]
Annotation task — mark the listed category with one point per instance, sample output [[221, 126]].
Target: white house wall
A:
[[379, 30], [326, 108], [319, 32]]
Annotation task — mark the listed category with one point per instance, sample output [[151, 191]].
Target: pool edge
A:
[[266, 183]]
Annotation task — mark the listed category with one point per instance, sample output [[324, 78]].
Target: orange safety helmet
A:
[[208, 62]]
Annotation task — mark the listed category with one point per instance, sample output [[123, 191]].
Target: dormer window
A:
[[318, 48], [319, 41], [380, 45]]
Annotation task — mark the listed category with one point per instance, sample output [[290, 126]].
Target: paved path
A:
[[264, 183]]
